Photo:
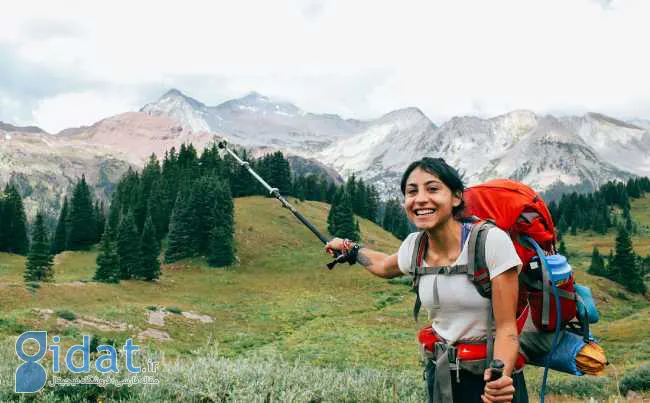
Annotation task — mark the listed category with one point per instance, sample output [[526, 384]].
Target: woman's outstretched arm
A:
[[378, 263]]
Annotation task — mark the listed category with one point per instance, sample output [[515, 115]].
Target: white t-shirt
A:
[[463, 311]]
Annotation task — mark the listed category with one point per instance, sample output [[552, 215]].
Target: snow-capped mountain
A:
[[186, 111], [255, 120], [624, 144], [539, 150]]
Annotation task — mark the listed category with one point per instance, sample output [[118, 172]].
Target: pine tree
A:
[[624, 264], [128, 242], [156, 209], [222, 243], [149, 268], [331, 193], [372, 203], [322, 188], [205, 195], [14, 223], [597, 267], [60, 234], [280, 174], [108, 261], [222, 251], [360, 201], [100, 220], [150, 174], [39, 265], [344, 221], [82, 222], [180, 244], [299, 188], [336, 200]]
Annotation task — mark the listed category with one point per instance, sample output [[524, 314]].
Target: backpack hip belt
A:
[[469, 355]]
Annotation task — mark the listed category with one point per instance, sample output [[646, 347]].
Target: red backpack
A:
[[519, 211]]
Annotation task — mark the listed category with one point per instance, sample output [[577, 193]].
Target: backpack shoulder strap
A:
[[479, 275], [477, 269], [419, 251]]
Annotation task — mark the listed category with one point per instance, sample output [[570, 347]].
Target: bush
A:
[[12, 326], [582, 386], [174, 309], [66, 314], [152, 308], [33, 284], [637, 380]]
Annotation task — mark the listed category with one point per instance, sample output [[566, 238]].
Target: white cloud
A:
[[86, 108], [358, 58]]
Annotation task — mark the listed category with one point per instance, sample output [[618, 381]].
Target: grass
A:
[[281, 307]]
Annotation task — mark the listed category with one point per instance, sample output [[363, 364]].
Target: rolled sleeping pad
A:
[[572, 355], [537, 345]]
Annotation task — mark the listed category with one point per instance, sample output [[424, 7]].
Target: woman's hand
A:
[[336, 244], [501, 390]]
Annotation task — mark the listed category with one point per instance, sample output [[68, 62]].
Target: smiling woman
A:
[[433, 201]]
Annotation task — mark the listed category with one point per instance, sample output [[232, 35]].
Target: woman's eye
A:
[[433, 189]]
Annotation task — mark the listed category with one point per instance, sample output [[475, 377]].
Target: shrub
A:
[[583, 386], [66, 314], [637, 380], [152, 308], [12, 326], [174, 309]]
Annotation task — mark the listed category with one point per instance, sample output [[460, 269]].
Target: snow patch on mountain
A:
[[185, 110]]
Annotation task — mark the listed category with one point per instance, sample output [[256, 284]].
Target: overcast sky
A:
[[70, 63]]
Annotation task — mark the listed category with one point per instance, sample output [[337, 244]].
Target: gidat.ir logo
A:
[[31, 375]]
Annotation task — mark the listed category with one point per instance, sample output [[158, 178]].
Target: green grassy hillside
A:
[[280, 301]]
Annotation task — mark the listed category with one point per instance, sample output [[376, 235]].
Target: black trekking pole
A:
[[339, 257]]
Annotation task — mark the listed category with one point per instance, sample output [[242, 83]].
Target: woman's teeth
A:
[[424, 212]]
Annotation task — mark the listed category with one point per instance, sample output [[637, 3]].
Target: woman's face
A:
[[428, 201]]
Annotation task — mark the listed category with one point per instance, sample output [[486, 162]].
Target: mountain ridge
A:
[[540, 150]]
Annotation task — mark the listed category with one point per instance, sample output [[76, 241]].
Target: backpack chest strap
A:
[[446, 269]]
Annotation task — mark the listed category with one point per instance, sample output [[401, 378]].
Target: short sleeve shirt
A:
[[463, 311]]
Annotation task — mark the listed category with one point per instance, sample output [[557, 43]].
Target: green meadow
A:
[[278, 325]]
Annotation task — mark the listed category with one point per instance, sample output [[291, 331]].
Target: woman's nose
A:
[[420, 197]]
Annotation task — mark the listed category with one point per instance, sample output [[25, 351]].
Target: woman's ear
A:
[[458, 198]]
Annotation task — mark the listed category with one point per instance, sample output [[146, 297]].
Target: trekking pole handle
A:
[[496, 370], [276, 193]]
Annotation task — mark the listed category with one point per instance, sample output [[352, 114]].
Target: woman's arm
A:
[[378, 263], [505, 291]]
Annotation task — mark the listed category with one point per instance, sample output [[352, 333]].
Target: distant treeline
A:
[[594, 211]]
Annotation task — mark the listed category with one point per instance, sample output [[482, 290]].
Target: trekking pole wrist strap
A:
[[353, 253]]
